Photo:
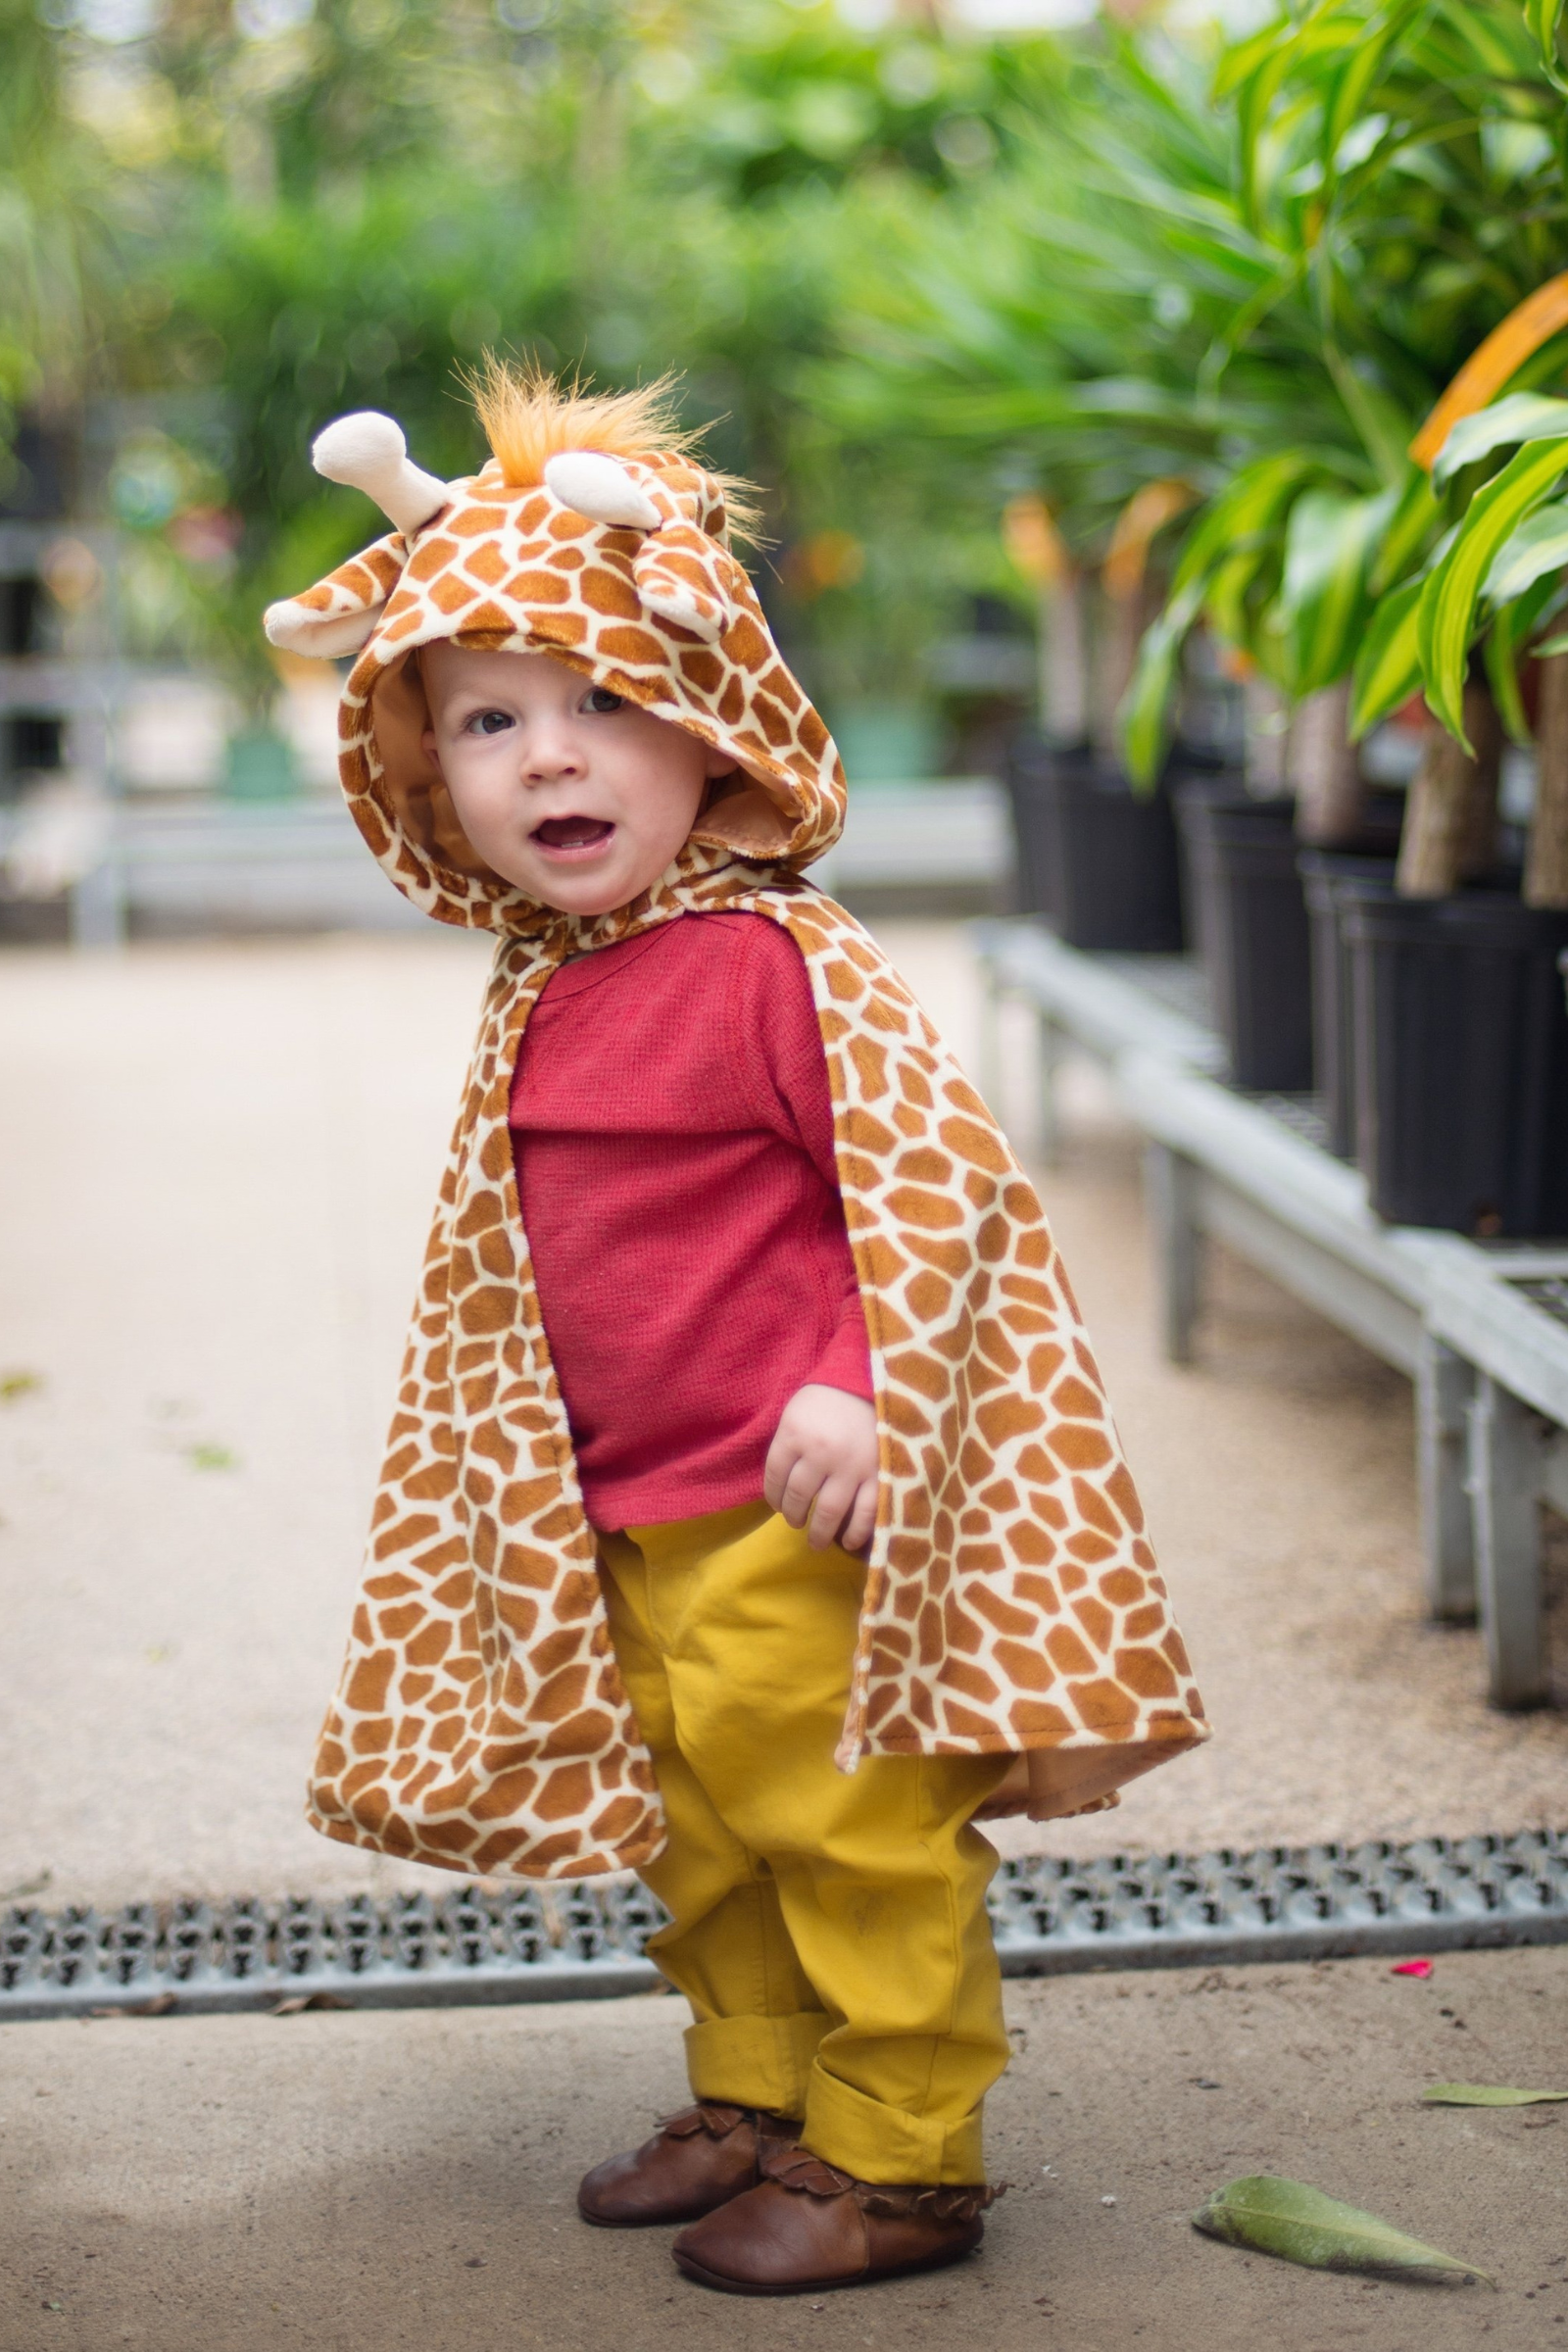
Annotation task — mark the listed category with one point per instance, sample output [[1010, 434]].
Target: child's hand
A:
[[823, 1466]]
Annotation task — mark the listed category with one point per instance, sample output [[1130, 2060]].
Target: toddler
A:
[[751, 1516]]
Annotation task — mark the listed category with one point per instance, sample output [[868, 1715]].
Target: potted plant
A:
[[1043, 334], [1378, 155], [1098, 860], [1461, 1032]]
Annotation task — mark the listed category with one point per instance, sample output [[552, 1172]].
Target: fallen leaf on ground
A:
[[1411, 1968], [211, 1457], [298, 2002], [1300, 2224], [27, 1887], [19, 1384], [1486, 2094]]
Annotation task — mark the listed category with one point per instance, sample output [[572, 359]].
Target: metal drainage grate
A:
[[585, 1942]]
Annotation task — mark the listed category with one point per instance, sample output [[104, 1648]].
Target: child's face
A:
[[579, 798]]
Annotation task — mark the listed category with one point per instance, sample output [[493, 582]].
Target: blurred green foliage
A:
[[911, 271], [288, 210]]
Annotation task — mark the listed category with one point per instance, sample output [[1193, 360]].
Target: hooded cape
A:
[[1011, 1599]]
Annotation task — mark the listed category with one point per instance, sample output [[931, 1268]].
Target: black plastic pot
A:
[[1249, 922], [1325, 873], [1461, 1058], [1097, 860]]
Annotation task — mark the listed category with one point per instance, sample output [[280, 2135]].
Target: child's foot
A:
[[694, 2161], [806, 2226]]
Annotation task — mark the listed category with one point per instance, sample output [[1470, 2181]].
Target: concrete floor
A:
[[213, 1199], [213, 1193], [404, 2183]]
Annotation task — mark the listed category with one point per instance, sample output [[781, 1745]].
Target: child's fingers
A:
[[781, 1459], [788, 1480], [833, 1503], [856, 1530], [799, 1492]]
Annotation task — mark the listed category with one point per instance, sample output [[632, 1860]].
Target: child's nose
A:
[[549, 754]]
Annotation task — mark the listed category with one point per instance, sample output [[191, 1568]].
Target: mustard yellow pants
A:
[[829, 1930]]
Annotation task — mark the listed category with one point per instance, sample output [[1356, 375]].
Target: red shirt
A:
[[672, 1132]]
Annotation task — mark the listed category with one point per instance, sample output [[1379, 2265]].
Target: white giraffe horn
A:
[[599, 488], [368, 451]]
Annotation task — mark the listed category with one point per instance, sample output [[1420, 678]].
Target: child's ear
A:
[[427, 746]]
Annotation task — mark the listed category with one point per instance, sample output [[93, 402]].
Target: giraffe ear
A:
[[338, 615], [368, 450], [686, 577], [601, 489]]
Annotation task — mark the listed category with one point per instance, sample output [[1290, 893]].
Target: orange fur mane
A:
[[529, 418]]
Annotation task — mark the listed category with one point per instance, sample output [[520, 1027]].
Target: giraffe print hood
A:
[[619, 569], [1011, 1599]]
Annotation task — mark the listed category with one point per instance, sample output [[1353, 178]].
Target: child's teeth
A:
[[570, 832]]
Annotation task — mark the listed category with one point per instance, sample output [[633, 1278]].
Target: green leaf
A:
[[1540, 545], [1486, 39], [211, 1457], [1446, 620], [1381, 422], [1510, 631], [1241, 57], [1415, 517], [1300, 2224], [1142, 717], [1229, 602], [1249, 504], [1519, 416], [1486, 2094], [1388, 667], [1243, 521], [1356, 79], [1542, 16], [1322, 604], [1269, 60], [1500, 653]]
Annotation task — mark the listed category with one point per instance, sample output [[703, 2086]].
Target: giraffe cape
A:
[[1012, 1600]]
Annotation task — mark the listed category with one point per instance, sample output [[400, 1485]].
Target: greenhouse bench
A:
[[1481, 1331]]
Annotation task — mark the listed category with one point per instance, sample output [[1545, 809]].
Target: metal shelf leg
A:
[[1444, 1387], [1049, 1051], [1171, 1184], [1505, 1467]]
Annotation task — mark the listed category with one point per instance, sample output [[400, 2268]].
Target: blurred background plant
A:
[[1067, 331], [1402, 167], [239, 222]]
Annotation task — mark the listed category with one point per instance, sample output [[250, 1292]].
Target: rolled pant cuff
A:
[[874, 2143], [755, 2061]]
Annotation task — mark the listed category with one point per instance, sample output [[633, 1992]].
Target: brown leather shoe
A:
[[806, 2226], [696, 2160]]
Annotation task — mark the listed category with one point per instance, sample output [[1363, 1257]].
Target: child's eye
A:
[[600, 698], [488, 722]]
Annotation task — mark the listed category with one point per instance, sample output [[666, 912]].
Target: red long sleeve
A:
[[674, 1139]]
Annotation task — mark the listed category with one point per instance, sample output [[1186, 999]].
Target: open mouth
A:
[[572, 832]]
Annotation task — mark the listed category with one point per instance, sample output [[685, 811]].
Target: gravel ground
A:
[[402, 2182], [220, 1160]]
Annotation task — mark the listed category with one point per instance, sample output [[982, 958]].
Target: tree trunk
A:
[[1546, 860], [1269, 722], [1063, 664], [1325, 769], [1450, 819]]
